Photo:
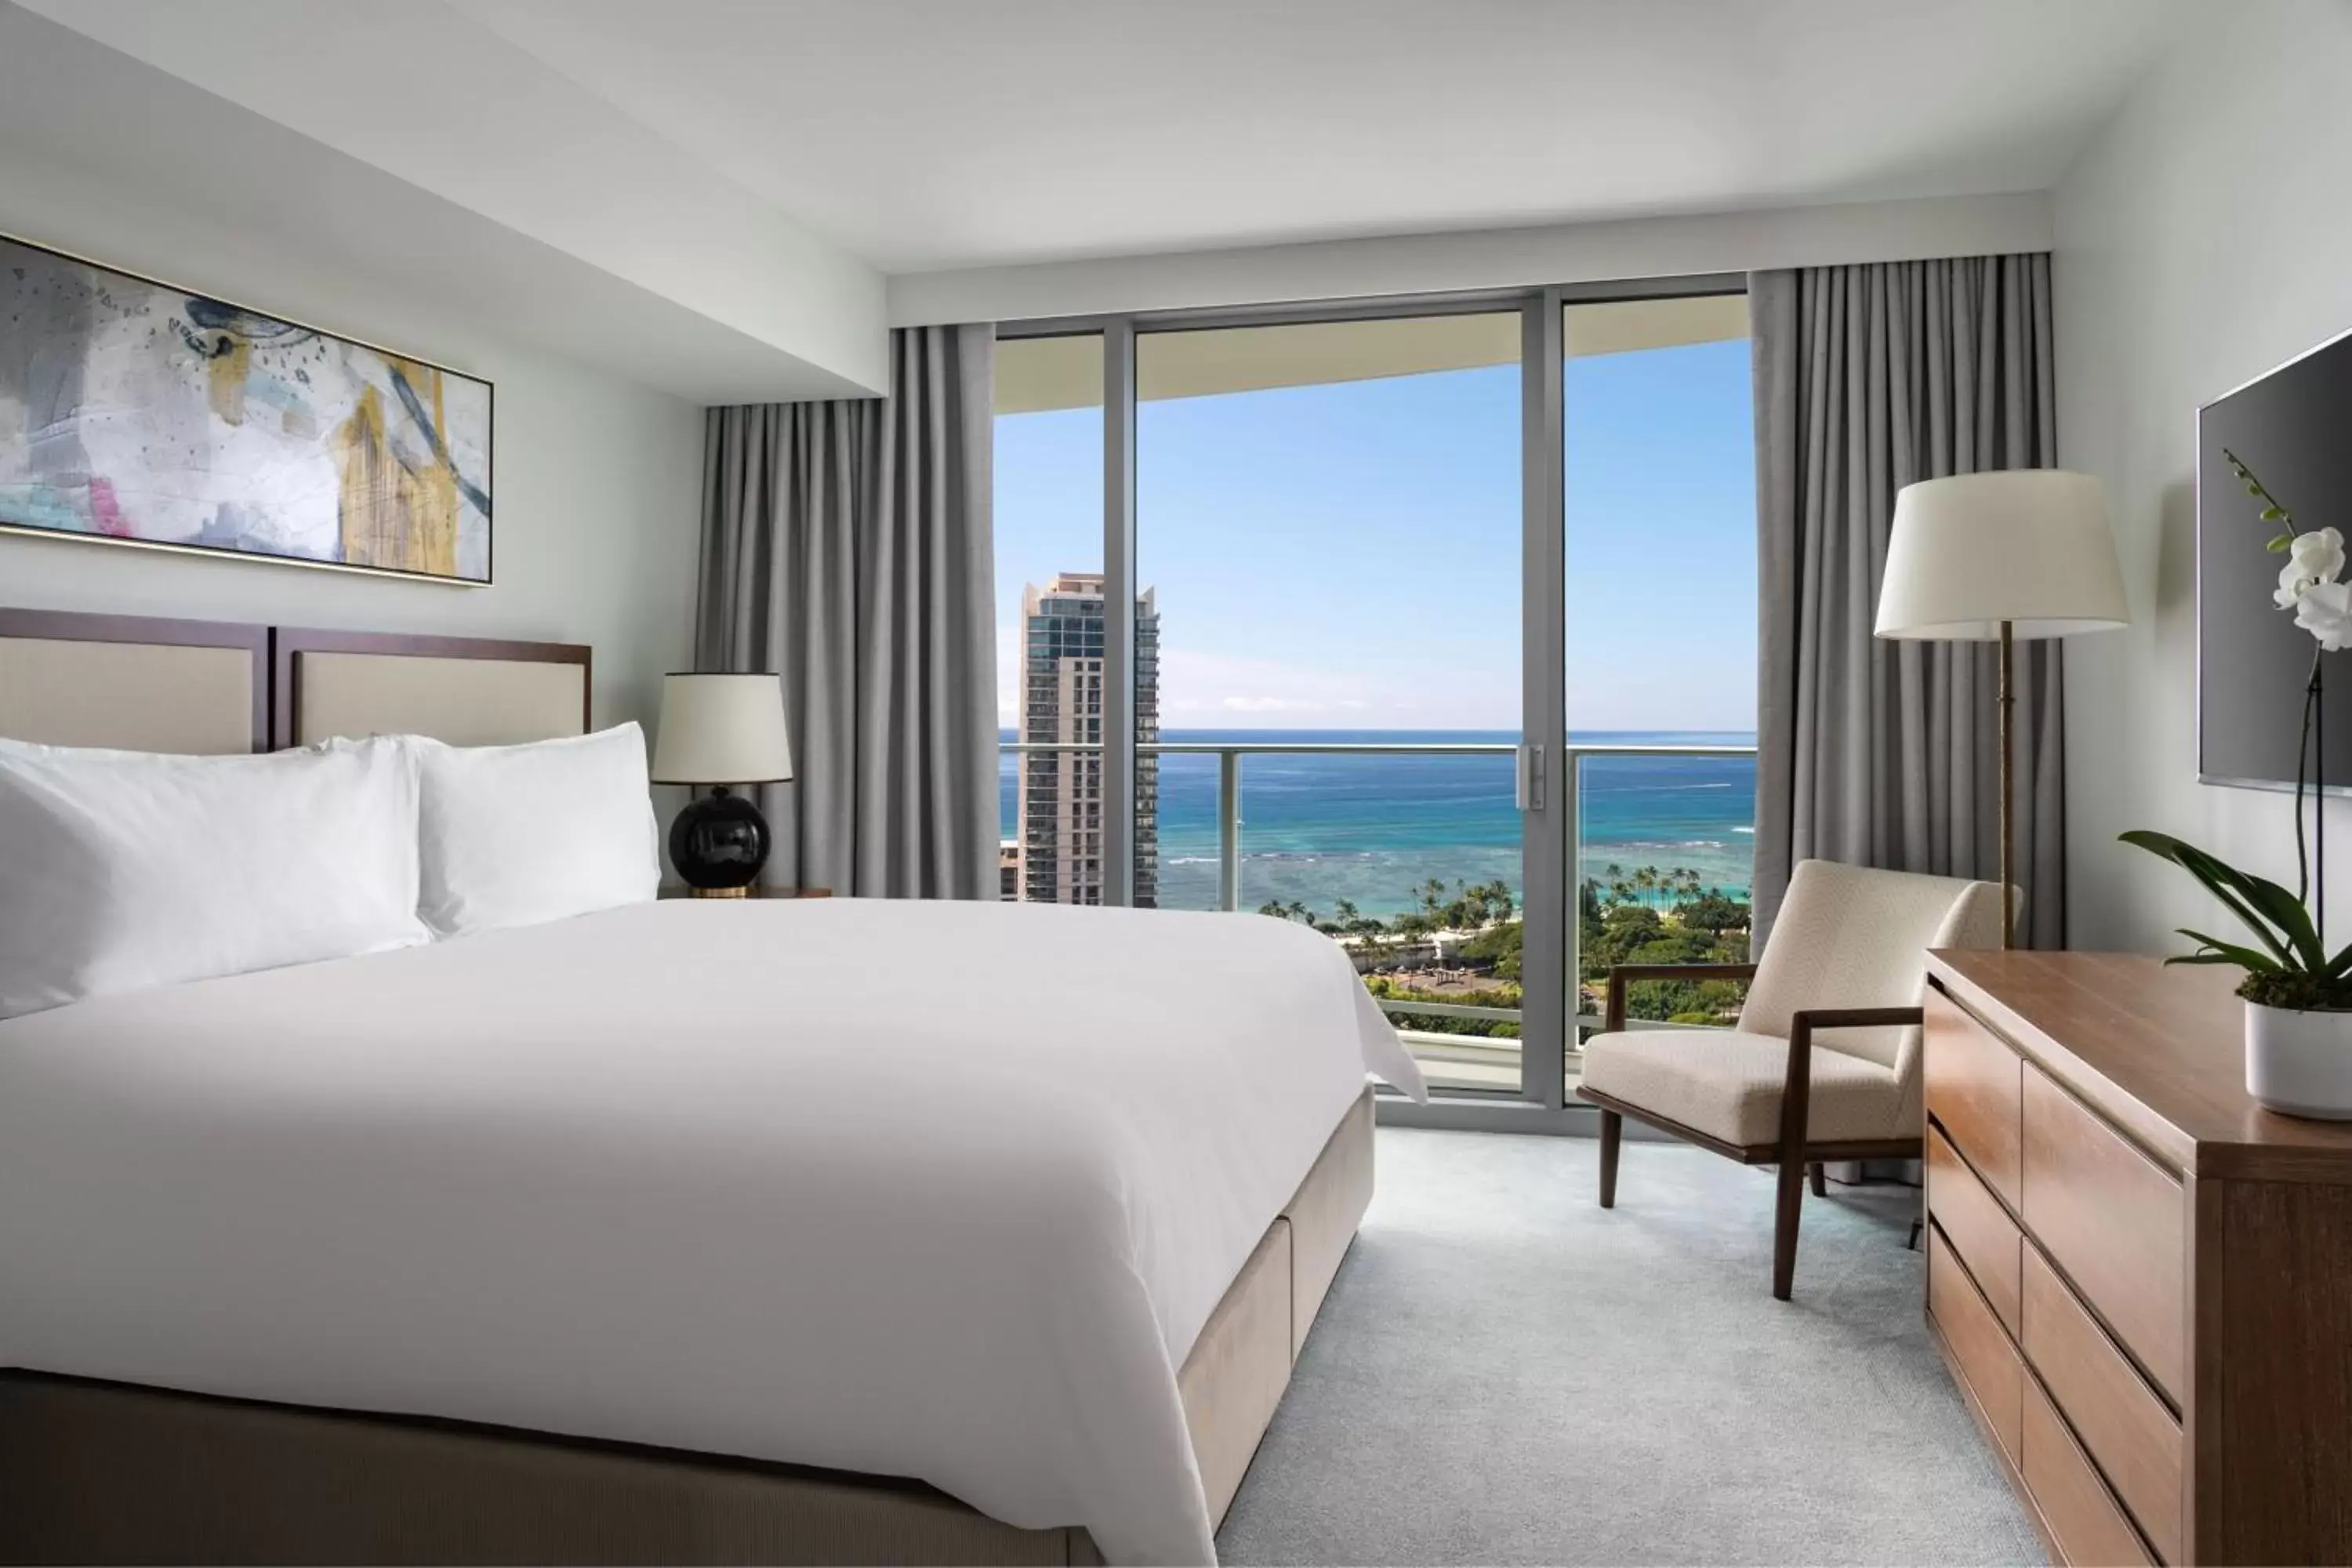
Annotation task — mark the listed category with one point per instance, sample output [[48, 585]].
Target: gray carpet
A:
[[1504, 1373]]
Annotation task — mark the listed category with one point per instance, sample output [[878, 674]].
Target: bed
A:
[[428, 1255]]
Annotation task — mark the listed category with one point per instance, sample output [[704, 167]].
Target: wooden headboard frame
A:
[[65, 626], [288, 644], [276, 650]]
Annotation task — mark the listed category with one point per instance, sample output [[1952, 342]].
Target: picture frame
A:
[[137, 412]]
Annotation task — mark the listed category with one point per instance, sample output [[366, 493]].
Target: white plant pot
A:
[[2300, 1063]]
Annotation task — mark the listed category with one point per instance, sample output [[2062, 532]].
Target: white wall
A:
[[2204, 238], [597, 480], [77, 116], [498, 132]]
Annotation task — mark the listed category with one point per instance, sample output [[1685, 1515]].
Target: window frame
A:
[[1550, 961]]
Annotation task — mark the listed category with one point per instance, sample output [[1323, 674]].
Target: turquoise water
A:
[[1372, 829]]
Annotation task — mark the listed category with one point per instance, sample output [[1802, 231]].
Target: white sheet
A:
[[927, 1189]]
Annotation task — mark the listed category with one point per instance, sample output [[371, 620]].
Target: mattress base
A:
[[94, 1472]]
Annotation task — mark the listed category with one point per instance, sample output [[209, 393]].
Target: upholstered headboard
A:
[[209, 687], [468, 691], [133, 683]]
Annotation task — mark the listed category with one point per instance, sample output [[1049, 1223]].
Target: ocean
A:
[[1373, 829]]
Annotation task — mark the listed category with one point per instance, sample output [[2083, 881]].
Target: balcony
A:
[[1662, 869]]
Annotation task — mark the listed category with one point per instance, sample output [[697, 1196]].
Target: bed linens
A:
[[942, 1190], [511, 836], [125, 869]]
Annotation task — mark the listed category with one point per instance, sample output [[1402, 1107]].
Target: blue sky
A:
[[1347, 556]]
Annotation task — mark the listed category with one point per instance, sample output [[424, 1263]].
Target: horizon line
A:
[[1008, 729]]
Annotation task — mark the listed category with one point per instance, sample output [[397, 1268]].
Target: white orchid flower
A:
[[2324, 611], [2313, 559]]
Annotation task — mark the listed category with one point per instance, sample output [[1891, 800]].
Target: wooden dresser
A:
[[2141, 1280]]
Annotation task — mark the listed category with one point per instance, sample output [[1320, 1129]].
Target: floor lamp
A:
[[2026, 552]]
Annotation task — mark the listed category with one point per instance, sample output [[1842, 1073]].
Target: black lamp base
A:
[[718, 844]]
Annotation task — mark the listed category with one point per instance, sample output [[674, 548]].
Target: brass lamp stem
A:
[[2008, 848]]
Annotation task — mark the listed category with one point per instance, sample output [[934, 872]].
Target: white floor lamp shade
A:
[[2028, 548], [2025, 552]]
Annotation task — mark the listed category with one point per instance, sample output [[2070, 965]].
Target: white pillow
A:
[[517, 834], [119, 870]]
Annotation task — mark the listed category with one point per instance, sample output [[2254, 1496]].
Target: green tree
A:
[[1499, 949], [1630, 931], [1711, 912]]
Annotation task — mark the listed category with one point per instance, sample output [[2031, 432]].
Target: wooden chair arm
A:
[[1807, 1020], [1796, 1090], [1622, 975], [1796, 1121]]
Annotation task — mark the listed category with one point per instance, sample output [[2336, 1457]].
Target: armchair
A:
[[1824, 1063]]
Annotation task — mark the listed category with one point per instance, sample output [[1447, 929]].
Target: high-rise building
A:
[[1061, 843]]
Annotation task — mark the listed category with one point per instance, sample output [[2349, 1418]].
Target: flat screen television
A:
[[2293, 428]]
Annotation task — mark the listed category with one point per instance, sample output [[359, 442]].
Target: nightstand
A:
[[680, 890]]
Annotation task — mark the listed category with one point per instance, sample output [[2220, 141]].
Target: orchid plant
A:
[[2292, 967]]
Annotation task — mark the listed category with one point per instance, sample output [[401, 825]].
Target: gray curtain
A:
[[847, 547], [1886, 754]]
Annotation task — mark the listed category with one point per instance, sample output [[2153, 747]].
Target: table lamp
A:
[[2026, 552], [721, 730]]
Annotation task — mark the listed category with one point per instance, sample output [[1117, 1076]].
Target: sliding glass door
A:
[[1659, 526], [1050, 622], [1299, 607], [1327, 540]]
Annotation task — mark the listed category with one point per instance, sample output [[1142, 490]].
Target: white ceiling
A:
[[930, 134]]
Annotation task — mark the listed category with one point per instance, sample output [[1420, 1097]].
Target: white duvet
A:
[[935, 1190]]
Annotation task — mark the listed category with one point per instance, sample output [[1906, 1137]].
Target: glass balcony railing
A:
[[1407, 854]]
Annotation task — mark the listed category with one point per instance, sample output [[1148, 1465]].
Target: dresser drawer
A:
[[2129, 1434], [2112, 1220], [2075, 1506], [1987, 1361], [1978, 1228], [1972, 1080]]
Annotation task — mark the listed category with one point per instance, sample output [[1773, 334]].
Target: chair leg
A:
[[1820, 1183], [1796, 1097], [1612, 1136], [1784, 1227]]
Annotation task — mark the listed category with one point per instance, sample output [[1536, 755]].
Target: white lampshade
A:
[[722, 730], [2028, 546]]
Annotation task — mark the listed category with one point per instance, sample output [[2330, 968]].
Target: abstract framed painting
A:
[[135, 413]]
